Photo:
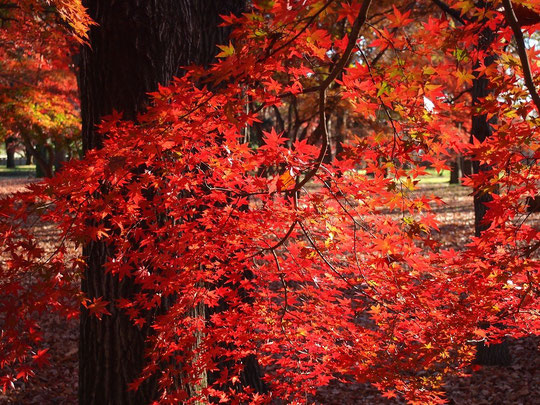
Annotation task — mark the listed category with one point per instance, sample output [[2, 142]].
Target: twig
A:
[[310, 21], [285, 292], [522, 51], [334, 270], [353, 36], [450, 11], [338, 68]]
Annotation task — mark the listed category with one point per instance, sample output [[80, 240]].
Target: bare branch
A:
[[353, 36], [522, 51], [338, 68], [310, 21], [450, 11]]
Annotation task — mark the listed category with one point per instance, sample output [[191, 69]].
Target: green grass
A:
[[431, 178], [22, 170], [435, 178]]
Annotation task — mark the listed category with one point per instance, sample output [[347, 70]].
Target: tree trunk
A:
[[134, 46], [27, 155], [454, 171], [10, 152], [495, 354], [466, 166], [43, 158], [59, 156], [341, 125]]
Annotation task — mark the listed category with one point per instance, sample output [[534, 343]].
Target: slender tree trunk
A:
[[466, 166], [134, 46], [341, 125], [496, 354], [59, 156], [27, 155], [454, 171], [42, 156], [10, 152]]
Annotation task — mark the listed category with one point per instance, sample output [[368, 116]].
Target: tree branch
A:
[[310, 21], [522, 51], [353, 36], [450, 11], [338, 68]]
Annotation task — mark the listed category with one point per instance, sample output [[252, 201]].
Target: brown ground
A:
[[518, 384]]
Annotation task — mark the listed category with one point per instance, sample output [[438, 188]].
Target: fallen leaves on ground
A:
[[518, 384]]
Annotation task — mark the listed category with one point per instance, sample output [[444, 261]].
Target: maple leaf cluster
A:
[[323, 270]]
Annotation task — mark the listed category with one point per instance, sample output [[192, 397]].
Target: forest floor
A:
[[517, 384]]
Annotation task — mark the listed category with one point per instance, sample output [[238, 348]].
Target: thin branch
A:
[[338, 68], [310, 21], [284, 239], [353, 36], [522, 51], [450, 11], [383, 104], [378, 56], [285, 292], [459, 95], [354, 287], [322, 132], [288, 94]]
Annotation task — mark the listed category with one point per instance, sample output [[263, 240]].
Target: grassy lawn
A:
[[435, 178], [23, 170], [432, 177]]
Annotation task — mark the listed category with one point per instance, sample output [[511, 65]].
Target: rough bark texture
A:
[[496, 354], [136, 45]]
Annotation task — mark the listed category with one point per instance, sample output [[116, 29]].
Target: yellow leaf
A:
[[286, 180], [226, 50], [463, 77], [428, 70]]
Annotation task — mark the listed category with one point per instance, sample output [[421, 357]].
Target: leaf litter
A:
[[517, 384]]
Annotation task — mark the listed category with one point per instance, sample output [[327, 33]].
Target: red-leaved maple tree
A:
[[38, 87], [324, 269]]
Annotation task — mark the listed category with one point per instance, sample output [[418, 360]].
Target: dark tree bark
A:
[[59, 156], [480, 131], [454, 171], [27, 155], [43, 161], [134, 46], [341, 125], [10, 152], [466, 166], [495, 354], [42, 154]]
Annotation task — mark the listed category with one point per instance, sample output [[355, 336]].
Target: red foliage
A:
[[322, 270], [38, 89]]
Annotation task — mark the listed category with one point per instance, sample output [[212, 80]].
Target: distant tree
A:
[[38, 89]]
